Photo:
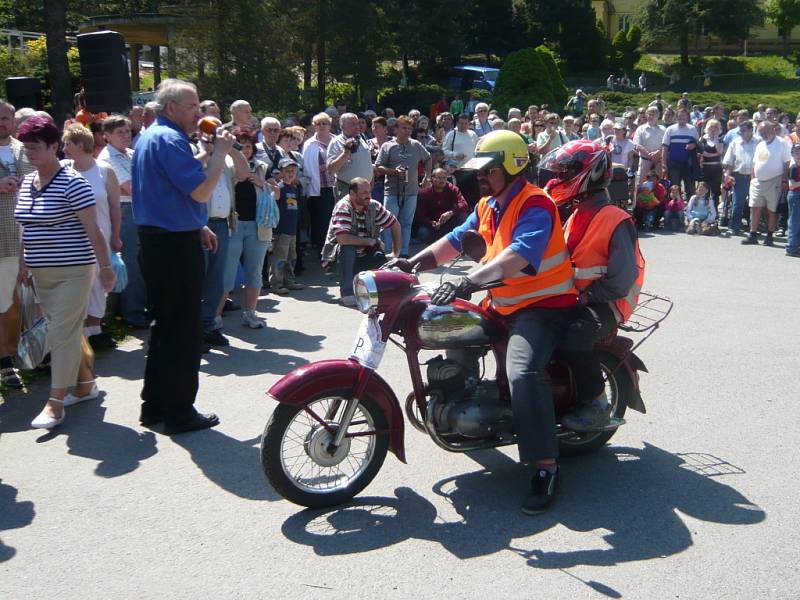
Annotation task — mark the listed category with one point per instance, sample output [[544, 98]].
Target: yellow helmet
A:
[[500, 148]]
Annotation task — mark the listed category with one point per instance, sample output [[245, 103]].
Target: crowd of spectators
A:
[[349, 188]]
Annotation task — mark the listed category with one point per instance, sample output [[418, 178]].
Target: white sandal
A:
[[45, 421], [71, 399]]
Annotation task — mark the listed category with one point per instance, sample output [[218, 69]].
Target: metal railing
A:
[[15, 38]]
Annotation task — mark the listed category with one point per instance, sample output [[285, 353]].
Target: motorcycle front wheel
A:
[[299, 461]]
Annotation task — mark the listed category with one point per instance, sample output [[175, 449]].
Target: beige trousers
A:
[[64, 296]]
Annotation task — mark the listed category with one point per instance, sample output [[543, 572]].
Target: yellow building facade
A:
[[614, 15]]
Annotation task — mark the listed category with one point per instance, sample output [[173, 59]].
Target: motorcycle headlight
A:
[[366, 291]]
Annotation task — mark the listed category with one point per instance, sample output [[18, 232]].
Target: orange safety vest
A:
[[590, 256], [554, 276]]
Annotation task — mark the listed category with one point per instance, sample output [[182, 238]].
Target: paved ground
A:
[[696, 499]]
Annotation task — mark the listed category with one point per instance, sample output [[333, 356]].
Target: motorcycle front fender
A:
[[312, 379]]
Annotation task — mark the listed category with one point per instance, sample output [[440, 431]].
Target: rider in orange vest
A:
[[525, 253], [609, 269]]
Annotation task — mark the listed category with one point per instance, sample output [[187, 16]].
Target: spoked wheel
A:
[[300, 461], [618, 388]]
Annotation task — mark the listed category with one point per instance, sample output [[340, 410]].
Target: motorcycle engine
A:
[[464, 405]]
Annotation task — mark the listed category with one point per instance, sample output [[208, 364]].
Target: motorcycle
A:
[[336, 419]]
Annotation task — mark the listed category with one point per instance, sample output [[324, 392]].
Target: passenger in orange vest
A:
[[527, 255], [609, 269]]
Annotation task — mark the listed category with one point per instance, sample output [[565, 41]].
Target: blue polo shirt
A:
[[530, 236], [164, 173]]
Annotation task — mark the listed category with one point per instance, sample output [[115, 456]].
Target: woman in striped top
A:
[[61, 244]]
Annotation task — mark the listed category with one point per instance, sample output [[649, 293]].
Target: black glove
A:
[[450, 290], [398, 263]]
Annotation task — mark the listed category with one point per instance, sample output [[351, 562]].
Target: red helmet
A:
[[579, 167]]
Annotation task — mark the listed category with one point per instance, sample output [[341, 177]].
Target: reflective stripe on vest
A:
[[561, 288], [590, 256], [554, 277], [590, 272], [546, 265]]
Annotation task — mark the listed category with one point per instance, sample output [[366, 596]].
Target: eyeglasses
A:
[[482, 110], [272, 129]]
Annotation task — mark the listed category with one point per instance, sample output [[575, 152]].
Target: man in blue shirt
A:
[[170, 191]]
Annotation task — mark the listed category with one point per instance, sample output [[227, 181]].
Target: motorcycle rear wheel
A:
[[618, 388], [294, 459]]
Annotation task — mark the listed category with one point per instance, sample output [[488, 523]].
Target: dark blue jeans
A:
[[350, 264], [133, 299], [533, 334], [793, 234], [681, 171], [214, 283], [740, 190]]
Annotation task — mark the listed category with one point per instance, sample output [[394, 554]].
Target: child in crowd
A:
[[700, 211], [284, 254], [674, 218], [649, 196]]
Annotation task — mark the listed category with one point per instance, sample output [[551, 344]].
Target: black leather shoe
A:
[[199, 421], [215, 338], [149, 415], [543, 492]]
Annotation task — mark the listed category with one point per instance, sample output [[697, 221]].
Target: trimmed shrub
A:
[[523, 80], [560, 92]]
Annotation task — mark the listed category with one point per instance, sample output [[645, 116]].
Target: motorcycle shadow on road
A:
[[619, 505]]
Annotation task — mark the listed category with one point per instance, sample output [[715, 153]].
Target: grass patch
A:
[[772, 66]]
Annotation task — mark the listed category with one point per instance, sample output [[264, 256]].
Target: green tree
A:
[[667, 20], [564, 25], [625, 51], [785, 15], [523, 80]]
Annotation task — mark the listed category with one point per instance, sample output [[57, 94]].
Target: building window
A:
[[623, 22]]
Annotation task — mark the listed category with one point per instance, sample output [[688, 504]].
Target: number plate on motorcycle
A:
[[369, 348]]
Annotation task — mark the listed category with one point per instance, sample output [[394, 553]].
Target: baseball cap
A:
[[287, 162]]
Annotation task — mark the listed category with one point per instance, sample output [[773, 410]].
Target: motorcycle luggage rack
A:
[[648, 314]]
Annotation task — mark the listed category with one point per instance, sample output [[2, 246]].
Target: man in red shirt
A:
[[440, 208]]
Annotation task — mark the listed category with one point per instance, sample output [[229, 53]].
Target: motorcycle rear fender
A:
[[309, 380], [620, 347]]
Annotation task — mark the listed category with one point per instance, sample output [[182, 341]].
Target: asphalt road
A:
[[695, 499]]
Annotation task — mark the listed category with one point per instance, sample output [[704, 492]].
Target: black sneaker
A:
[[591, 417], [102, 341], [768, 240], [543, 492], [750, 240], [10, 379], [215, 338], [795, 253], [230, 306]]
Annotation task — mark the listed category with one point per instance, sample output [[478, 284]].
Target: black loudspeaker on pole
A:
[[104, 72], [24, 92]]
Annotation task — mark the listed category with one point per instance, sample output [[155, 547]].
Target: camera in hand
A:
[[208, 126], [352, 145]]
